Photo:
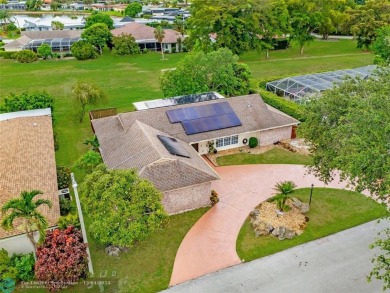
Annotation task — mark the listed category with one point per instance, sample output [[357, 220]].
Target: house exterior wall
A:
[[265, 137], [18, 244], [187, 198]]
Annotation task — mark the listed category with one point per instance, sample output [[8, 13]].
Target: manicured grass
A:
[[318, 56], [332, 210], [273, 156]]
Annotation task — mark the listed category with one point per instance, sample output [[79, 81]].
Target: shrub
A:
[[253, 142], [63, 177], [69, 220], [24, 264], [27, 101], [6, 268], [7, 55], [11, 27], [44, 51], [61, 259], [125, 45], [82, 50], [94, 142], [214, 197], [26, 56], [89, 161], [65, 206], [290, 108]]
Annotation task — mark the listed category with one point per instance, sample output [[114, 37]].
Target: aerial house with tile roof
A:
[[27, 162], [165, 141]]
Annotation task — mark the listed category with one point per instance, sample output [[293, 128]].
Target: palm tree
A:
[[5, 16], [159, 35], [25, 208], [283, 189]]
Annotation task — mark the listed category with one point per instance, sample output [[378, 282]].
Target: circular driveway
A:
[[210, 245]]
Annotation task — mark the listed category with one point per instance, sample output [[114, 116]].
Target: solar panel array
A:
[[173, 146], [205, 118], [181, 100]]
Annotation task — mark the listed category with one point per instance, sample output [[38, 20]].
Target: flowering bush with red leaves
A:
[[62, 259]]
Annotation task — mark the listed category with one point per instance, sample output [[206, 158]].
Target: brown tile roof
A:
[[251, 110], [144, 32], [18, 43], [139, 147], [36, 35], [27, 162]]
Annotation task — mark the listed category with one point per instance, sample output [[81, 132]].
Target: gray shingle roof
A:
[[251, 110], [139, 147]]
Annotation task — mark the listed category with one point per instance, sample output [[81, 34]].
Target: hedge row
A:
[[7, 55], [290, 108]]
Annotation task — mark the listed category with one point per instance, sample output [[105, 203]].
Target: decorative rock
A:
[[305, 208], [262, 228], [255, 213], [296, 202], [112, 250], [283, 233]]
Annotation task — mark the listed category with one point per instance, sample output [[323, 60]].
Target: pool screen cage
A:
[[56, 45], [300, 88]]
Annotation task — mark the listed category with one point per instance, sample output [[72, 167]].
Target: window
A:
[[225, 141]]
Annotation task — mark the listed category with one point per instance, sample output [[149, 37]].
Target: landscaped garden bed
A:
[[331, 211]]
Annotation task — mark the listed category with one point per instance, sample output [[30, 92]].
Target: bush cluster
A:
[[63, 177], [253, 142], [27, 101], [69, 220], [19, 267], [61, 259], [26, 56], [7, 55], [290, 108]]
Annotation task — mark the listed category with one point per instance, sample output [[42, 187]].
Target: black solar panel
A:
[[211, 123], [205, 118], [173, 146], [197, 112]]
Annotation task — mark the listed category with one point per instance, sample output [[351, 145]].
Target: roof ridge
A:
[[141, 125], [213, 171]]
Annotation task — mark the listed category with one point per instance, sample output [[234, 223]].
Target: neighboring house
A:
[[13, 5], [59, 41], [27, 162], [144, 36], [44, 24], [131, 140]]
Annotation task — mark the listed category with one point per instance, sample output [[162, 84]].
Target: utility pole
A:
[[76, 195]]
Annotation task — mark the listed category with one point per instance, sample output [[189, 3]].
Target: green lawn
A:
[[318, 56], [273, 156], [332, 210]]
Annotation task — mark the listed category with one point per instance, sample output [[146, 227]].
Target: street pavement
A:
[[338, 263]]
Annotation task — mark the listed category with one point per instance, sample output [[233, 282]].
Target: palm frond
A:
[[43, 201]]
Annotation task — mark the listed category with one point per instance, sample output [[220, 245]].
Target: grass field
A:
[[331, 211], [135, 78], [273, 156]]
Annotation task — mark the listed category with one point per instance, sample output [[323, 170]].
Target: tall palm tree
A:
[[159, 35], [26, 209]]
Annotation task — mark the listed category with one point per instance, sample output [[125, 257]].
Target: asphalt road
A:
[[337, 263]]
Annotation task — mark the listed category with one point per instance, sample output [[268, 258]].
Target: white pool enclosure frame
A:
[[299, 88]]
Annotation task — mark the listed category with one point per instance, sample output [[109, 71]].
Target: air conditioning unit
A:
[[64, 193]]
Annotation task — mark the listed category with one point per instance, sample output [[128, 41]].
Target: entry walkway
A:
[[210, 245], [336, 263]]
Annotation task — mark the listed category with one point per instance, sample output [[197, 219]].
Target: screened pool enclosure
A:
[[56, 45], [300, 88]]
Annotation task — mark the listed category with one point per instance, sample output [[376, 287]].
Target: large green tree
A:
[[348, 128], [33, 5], [125, 45], [25, 208], [133, 9], [381, 46], [366, 19], [273, 18], [44, 51], [83, 50], [123, 207], [98, 35], [305, 19], [202, 72], [84, 94], [232, 22], [27, 101], [99, 18]]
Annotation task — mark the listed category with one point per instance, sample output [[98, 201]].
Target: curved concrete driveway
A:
[[210, 245]]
